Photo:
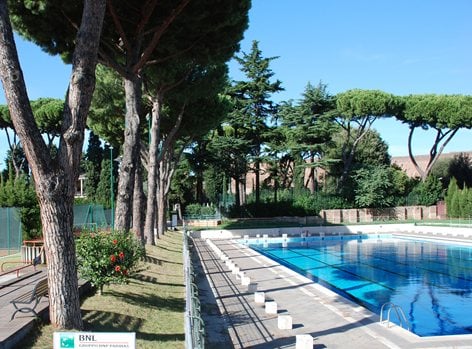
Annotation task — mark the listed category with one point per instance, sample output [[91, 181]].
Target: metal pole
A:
[[149, 119], [112, 198], [8, 230]]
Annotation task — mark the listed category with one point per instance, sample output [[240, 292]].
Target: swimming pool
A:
[[431, 282]]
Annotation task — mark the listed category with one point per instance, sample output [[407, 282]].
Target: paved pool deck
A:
[[233, 319], [13, 331]]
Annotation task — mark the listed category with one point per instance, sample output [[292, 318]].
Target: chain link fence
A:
[[91, 217], [10, 231]]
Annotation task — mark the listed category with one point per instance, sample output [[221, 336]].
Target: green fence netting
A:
[[10, 230], [91, 216]]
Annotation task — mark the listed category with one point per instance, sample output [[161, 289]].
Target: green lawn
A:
[[152, 304]]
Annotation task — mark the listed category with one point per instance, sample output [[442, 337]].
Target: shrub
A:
[[199, 210], [107, 257]]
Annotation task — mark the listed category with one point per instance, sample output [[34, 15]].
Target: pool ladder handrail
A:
[[400, 315]]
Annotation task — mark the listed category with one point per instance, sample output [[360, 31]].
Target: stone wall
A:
[[374, 215]]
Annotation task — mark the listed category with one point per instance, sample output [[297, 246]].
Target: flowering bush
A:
[[107, 257]]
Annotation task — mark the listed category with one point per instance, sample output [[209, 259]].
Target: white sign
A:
[[95, 340]]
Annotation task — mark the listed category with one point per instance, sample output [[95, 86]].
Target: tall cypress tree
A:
[[93, 161], [254, 107]]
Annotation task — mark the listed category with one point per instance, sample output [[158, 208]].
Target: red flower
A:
[[121, 255], [124, 272], [115, 242], [117, 268], [113, 258]]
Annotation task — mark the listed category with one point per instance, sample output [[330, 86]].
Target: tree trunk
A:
[[161, 221], [237, 201], [57, 218], [138, 204], [130, 154], [153, 172], [55, 178], [167, 167], [257, 172], [199, 187]]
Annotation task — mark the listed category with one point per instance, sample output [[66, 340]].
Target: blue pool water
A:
[[431, 282]]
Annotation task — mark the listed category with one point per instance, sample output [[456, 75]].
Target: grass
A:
[[152, 304]]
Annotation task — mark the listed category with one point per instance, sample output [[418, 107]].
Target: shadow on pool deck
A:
[[13, 331], [333, 321]]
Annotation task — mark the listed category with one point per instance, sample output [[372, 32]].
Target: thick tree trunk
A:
[[151, 203], [130, 154], [55, 178], [57, 219]]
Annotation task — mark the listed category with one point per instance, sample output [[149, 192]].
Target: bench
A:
[[27, 302]]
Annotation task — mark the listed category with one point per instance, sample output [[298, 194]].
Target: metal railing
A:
[[403, 321], [194, 325]]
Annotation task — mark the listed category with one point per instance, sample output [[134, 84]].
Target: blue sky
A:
[[398, 46]]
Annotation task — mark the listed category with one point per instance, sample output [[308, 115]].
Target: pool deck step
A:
[[332, 321]]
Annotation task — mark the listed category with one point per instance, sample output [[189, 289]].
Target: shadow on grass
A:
[[157, 261], [153, 260], [102, 321], [151, 300], [151, 279]]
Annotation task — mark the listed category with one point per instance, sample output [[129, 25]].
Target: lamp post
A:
[[149, 119], [112, 198]]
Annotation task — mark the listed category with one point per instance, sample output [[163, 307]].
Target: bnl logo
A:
[[67, 341]]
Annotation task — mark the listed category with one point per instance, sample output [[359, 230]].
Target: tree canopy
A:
[[445, 114]]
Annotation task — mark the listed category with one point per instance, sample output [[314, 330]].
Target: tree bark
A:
[[138, 204], [130, 153], [153, 175], [167, 166], [55, 178], [161, 221]]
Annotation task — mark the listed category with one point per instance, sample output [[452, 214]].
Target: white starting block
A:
[[271, 307], [245, 280], [259, 297], [284, 322], [304, 341]]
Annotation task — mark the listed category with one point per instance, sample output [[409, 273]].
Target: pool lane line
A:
[[341, 291], [316, 278], [426, 269], [346, 291], [374, 266], [316, 245]]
